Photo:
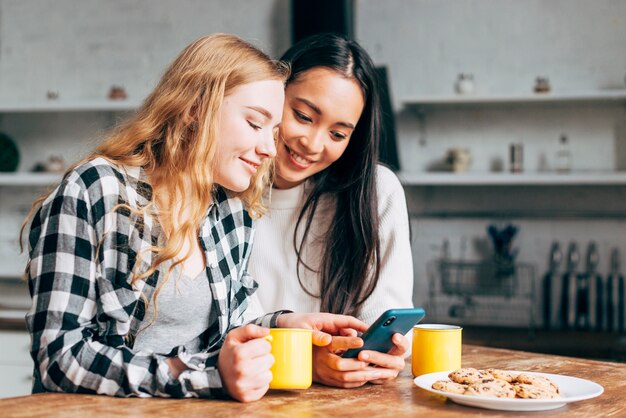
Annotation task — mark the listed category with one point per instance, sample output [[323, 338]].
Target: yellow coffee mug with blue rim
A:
[[292, 349]]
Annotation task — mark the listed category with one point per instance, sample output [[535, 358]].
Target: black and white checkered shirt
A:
[[85, 312]]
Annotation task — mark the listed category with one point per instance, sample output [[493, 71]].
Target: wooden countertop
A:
[[398, 398]]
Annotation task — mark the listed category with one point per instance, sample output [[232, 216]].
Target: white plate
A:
[[572, 389]]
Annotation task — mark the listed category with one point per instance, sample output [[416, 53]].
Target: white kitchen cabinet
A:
[[16, 366]]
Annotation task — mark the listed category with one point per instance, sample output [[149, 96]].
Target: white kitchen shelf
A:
[[522, 179], [29, 179], [609, 96], [13, 314], [410, 179], [6, 274], [70, 106]]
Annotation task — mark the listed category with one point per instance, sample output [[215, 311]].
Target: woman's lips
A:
[[297, 159], [250, 164]]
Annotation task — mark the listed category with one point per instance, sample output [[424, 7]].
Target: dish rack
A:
[[482, 293]]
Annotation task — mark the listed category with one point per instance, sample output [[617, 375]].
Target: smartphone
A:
[[378, 336]]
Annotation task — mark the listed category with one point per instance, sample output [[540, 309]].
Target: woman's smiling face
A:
[[322, 108], [249, 116]]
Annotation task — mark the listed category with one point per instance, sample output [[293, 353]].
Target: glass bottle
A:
[[516, 158], [563, 156]]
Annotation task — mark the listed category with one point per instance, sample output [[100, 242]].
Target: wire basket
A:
[[482, 293]]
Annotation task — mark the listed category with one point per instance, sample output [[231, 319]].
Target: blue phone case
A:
[[378, 336]]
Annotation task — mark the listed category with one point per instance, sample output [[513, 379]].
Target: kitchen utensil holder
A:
[[482, 292]]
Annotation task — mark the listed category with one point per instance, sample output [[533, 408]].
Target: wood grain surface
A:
[[398, 398]]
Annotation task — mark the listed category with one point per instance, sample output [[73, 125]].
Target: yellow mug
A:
[[436, 348], [293, 358]]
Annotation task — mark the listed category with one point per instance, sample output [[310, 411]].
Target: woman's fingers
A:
[[345, 343], [366, 375], [339, 364], [321, 339], [332, 370], [348, 332], [244, 363], [401, 345], [383, 360]]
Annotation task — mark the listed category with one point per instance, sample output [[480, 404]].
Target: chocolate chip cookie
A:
[[538, 381], [449, 386], [468, 375], [505, 375], [494, 388], [526, 391]]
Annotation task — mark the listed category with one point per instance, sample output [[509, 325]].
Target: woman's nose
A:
[[267, 147], [313, 142]]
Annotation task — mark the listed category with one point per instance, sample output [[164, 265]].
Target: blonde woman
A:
[[138, 258]]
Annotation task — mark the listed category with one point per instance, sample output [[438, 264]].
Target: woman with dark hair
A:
[[336, 238]]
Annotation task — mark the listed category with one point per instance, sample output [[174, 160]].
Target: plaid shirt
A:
[[85, 313]]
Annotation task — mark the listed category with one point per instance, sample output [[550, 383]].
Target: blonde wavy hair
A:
[[173, 136]]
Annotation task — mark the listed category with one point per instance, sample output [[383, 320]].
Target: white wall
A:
[[82, 48], [505, 43]]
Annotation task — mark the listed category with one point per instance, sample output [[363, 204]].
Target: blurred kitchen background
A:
[[507, 125]]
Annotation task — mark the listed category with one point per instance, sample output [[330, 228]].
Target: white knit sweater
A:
[[273, 260]]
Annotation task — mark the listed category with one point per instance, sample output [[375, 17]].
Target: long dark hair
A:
[[350, 263]]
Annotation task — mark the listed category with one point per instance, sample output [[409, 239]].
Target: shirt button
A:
[[213, 264], [201, 366]]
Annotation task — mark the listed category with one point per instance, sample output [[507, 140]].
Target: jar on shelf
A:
[[464, 83], [117, 93], [542, 85], [458, 159]]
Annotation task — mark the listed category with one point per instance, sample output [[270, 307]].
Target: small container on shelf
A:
[[52, 95], [54, 164], [563, 156], [117, 93], [464, 83], [542, 85], [458, 160]]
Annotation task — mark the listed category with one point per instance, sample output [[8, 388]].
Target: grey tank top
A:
[[183, 313]]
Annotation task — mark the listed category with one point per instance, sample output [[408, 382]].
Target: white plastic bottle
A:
[[464, 83]]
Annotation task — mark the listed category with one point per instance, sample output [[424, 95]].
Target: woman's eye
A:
[[254, 126], [302, 116], [338, 136]]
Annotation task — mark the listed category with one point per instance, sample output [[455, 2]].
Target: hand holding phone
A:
[[378, 336]]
